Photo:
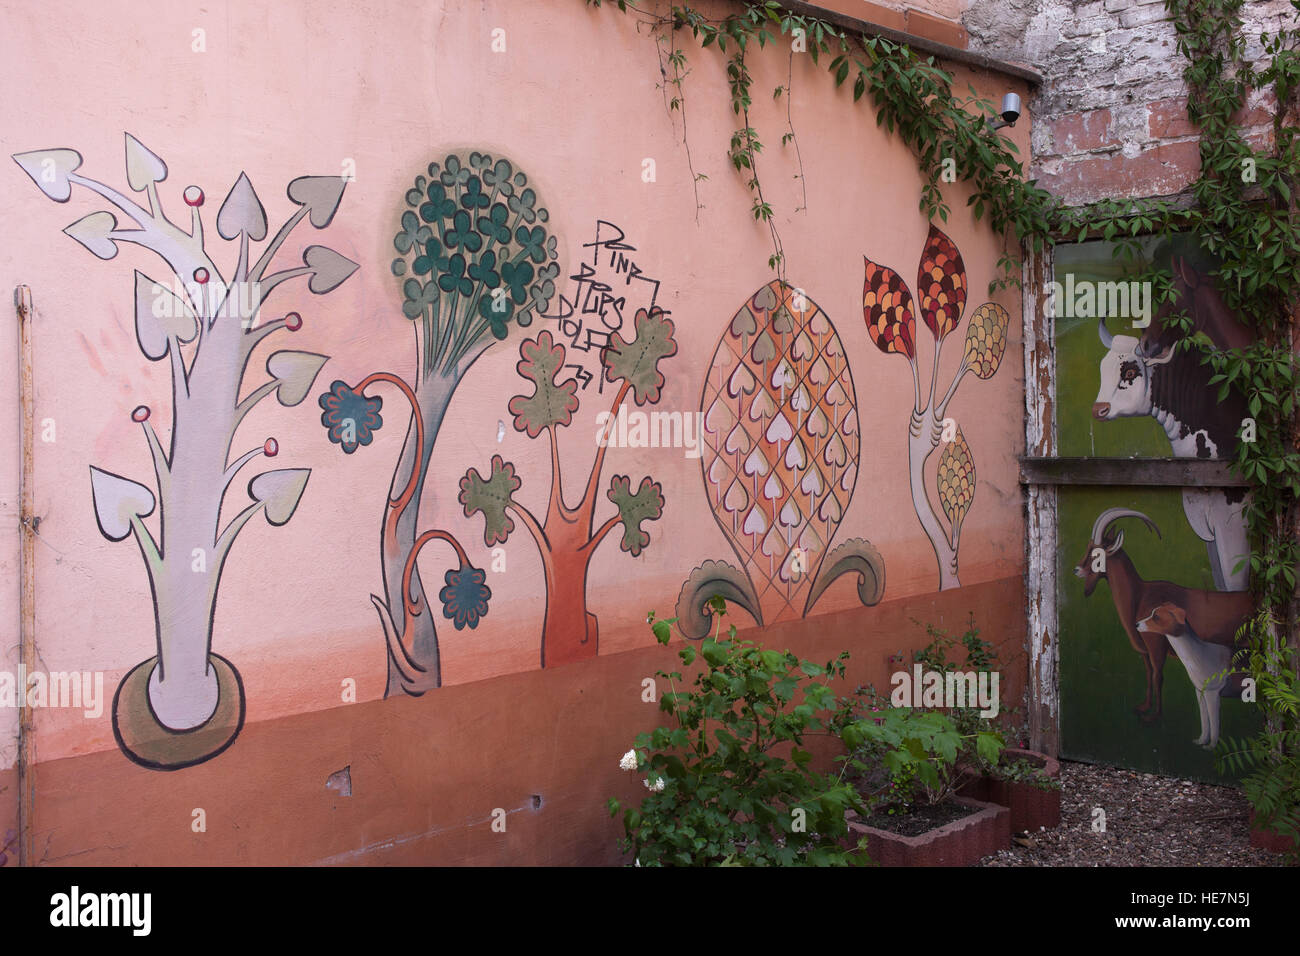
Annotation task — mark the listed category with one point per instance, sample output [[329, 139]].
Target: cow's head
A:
[[1109, 540], [1126, 372], [1196, 296]]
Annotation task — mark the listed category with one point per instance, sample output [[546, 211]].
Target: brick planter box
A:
[[960, 843], [1031, 807]]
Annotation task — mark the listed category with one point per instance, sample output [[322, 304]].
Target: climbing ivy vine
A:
[[1243, 211]]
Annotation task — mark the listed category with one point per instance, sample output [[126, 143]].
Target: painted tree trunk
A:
[[183, 687], [397, 541], [570, 631], [922, 440]]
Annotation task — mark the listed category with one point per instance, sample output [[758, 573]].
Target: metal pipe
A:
[[28, 524]]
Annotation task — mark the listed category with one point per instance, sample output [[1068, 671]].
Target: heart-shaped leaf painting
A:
[[330, 269]]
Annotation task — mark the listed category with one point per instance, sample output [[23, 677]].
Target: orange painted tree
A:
[[566, 538]]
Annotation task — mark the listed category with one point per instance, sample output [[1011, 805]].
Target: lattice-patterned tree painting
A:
[[566, 537], [186, 704], [887, 307], [475, 256], [781, 433]]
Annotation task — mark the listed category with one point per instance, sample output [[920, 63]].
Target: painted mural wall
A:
[[526, 390]]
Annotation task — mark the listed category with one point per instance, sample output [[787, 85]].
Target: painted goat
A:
[[1213, 616]]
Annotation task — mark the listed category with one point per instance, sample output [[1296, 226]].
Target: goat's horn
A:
[[1114, 514], [1104, 333]]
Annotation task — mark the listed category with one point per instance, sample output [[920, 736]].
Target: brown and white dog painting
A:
[[1208, 664]]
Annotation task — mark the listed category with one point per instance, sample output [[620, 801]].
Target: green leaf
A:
[[662, 631], [637, 362], [646, 504], [988, 746], [552, 404], [490, 497], [713, 653]]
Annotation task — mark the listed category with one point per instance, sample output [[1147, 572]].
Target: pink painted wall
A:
[[292, 89]]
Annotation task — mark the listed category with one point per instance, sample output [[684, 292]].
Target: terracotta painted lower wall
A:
[[9, 809], [426, 774]]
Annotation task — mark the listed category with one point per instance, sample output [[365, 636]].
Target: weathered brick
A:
[[1111, 115], [1087, 26], [1167, 119], [948, 9], [1159, 171], [1150, 48], [1141, 71], [1261, 140], [1260, 115], [1137, 16], [1081, 132]]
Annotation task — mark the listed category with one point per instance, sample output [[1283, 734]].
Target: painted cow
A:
[[1149, 376]]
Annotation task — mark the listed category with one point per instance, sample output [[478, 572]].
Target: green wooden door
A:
[[1114, 707]]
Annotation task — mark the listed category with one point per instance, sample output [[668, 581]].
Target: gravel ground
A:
[[1150, 821]]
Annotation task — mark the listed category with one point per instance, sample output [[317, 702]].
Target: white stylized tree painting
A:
[[186, 704], [890, 313]]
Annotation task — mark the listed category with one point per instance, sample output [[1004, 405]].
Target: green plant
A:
[[1271, 759], [901, 758], [1024, 771], [981, 657], [729, 779]]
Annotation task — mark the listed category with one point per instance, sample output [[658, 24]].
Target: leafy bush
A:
[[729, 780], [1271, 759], [902, 758], [981, 657]]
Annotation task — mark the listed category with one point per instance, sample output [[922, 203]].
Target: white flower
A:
[[629, 761], [656, 787]]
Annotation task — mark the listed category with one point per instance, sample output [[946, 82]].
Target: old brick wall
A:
[[1111, 114]]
